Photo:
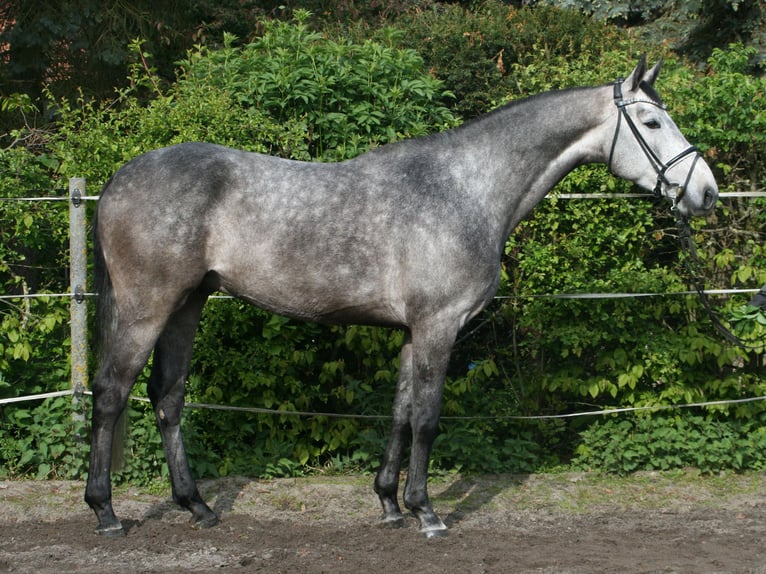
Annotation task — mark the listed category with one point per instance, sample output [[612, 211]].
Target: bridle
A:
[[657, 164]]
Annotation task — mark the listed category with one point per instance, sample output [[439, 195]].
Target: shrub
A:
[[44, 441], [478, 52], [351, 96], [32, 244], [668, 441]]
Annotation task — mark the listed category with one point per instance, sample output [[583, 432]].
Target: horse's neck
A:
[[527, 148]]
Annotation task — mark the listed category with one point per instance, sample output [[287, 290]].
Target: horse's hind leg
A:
[[172, 356], [111, 387]]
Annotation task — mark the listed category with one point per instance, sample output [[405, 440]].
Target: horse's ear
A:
[[637, 74], [652, 74]]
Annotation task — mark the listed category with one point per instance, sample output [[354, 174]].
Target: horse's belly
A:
[[300, 290], [310, 306]]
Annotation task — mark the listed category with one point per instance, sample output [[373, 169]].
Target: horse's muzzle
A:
[[687, 208]]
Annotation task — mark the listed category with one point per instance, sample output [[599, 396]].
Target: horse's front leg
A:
[[431, 352], [387, 479], [422, 369]]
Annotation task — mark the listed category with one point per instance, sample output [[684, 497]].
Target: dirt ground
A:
[[558, 523]]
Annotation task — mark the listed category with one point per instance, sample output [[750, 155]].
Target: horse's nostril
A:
[[711, 195]]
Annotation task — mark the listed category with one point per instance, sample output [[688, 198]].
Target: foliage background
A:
[[324, 87]]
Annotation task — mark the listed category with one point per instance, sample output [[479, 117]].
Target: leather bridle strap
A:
[[657, 164]]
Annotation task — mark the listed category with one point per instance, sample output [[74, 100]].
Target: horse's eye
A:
[[652, 124]]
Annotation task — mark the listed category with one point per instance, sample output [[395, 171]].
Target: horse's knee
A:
[[426, 427], [386, 483], [167, 396], [110, 397]]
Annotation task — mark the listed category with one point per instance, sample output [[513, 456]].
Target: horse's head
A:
[[649, 150]]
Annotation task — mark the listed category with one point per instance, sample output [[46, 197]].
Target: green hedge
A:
[[299, 93]]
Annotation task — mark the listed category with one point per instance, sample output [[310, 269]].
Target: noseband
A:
[[659, 167]]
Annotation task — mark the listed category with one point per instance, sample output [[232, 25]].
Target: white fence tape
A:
[[279, 412], [498, 297], [44, 295], [37, 397]]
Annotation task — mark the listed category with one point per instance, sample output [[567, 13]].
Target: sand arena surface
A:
[[559, 523]]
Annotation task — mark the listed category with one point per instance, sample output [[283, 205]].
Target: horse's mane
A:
[[447, 134], [519, 102]]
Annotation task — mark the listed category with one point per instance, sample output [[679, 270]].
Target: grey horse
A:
[[408, 235]]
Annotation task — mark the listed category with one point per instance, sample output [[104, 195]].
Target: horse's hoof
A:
[[434, 533], [206, 522], [392, 522], [111, 531]]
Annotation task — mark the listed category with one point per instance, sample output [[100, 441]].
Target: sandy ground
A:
[[559, 523]]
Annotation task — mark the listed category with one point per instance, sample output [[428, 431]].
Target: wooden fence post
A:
[[77, 280]]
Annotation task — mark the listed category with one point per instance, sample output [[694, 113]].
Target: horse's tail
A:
[[106, 325]]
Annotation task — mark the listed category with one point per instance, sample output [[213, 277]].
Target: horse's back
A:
[[276, 232]]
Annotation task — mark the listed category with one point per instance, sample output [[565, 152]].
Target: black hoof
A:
[[205, 522], [431, 525]]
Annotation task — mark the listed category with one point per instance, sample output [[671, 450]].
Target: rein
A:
[[657, 164], [692, 262]]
